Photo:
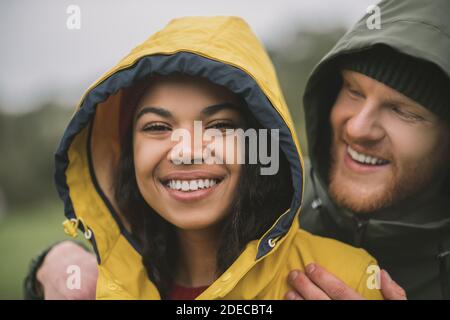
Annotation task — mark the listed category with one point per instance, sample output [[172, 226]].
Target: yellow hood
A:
[[221, 49]]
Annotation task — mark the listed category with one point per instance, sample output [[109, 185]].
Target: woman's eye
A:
[[222, 126], [156, 127]]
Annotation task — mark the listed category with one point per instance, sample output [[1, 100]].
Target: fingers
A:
[[305, 288], [318, 284], [331, 286], [292, 295], [65, 263], [390, 289]]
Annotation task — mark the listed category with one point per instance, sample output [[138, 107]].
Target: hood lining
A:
[[102, 195]]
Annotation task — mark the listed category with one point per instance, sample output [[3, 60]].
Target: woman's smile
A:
[[191, 185]]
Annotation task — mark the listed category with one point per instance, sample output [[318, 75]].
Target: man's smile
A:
[[363, 163], [364, 158]]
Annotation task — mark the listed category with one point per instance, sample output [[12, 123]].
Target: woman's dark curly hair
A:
[[258, 201]]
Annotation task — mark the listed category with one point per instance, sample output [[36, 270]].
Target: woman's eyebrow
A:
[[156, 110], [210, 110]]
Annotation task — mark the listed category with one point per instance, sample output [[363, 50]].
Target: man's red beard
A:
[[402, 183]]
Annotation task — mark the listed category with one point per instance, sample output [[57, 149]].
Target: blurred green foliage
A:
[[27, 144], [294, 62], [24, 233]]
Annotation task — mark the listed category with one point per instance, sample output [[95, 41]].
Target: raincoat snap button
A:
[[226, 277], [272, 242], [317, 203]]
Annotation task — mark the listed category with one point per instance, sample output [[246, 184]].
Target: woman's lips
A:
[[191, 195], [192, 175], [192, 185]]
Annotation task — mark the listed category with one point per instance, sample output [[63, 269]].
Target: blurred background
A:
[[46, 67]]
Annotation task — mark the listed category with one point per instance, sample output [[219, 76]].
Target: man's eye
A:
[[406, 115], [156, 127], [355, 93]]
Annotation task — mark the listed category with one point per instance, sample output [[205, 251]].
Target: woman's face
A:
[[189, 196]]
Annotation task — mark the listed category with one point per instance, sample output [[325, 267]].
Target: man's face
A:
[[385, 147]]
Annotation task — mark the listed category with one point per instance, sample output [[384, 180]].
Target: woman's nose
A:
[[194, 151], [187, 148]]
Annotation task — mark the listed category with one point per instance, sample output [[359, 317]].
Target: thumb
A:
[[390, 289]]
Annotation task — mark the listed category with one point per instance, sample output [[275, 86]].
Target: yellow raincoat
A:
[[225, 51]]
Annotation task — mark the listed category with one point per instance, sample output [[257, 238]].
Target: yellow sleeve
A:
[[369, 286]]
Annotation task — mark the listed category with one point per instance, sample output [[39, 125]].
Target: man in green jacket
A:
[[377, 115]]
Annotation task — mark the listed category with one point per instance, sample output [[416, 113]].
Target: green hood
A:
[[415, 29], [415, 234]]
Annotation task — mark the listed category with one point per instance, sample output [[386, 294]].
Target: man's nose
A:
[[365, 124]]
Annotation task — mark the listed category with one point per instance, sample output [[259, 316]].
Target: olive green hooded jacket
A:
[[411, 241]]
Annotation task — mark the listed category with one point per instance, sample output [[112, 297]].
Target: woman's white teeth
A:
[[191, 185], [362, 158]]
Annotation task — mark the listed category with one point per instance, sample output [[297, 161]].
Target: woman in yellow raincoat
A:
[[146, 222]]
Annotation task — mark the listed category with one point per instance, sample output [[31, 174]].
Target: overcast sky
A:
[[42, 59]]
